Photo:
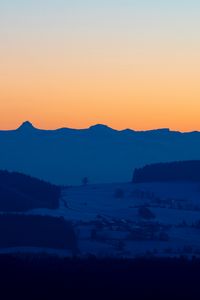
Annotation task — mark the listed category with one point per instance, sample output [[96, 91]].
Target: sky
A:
[[125, 63]]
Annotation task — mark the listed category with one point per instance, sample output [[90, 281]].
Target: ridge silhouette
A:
[[66, 155]]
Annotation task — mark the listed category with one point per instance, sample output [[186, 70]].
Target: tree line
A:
[[19, 230], [172, 171]]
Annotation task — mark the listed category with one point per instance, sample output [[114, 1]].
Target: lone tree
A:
[[85, 181]]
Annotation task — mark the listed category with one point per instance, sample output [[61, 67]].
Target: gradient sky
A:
[[124, 63]]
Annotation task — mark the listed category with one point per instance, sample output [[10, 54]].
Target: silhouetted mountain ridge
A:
[[103, 154], [27, 125]]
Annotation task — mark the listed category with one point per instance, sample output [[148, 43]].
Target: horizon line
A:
[[31, 125]]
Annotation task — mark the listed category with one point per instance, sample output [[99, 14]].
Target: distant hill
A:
[[20, 192], [173, 171], [64, 156]]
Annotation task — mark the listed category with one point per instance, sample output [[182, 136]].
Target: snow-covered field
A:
[[107, 221]]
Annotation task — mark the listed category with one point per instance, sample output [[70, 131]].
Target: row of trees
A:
[[19, 230], [173, 171]]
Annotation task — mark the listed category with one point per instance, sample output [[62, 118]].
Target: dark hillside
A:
[[45, 277], [20, 192]]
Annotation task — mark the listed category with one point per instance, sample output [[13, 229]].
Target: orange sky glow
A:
[[140, 71]]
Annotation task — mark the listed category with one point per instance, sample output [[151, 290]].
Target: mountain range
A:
[[64, 156]]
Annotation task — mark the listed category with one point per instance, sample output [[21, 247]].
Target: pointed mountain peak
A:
[[26, 126]]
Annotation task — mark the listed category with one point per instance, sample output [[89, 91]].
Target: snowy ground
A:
[[107, 225]]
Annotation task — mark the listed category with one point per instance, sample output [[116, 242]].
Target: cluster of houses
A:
[[173, 203], [107, 231]]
